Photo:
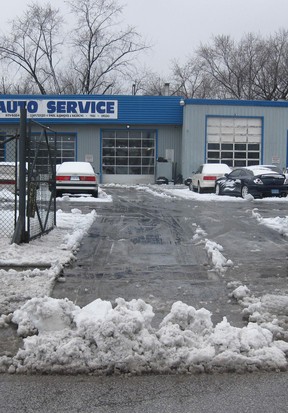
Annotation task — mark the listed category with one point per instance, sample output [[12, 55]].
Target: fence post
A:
[[19, 233]]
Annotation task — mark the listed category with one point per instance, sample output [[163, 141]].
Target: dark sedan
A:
[[257, 181]]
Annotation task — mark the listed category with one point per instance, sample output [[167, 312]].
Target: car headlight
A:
[[258, 181]]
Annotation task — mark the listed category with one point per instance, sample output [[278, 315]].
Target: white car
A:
[[76, 178], [205, 176]]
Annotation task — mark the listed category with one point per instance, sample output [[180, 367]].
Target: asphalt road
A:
[[142, 246], [225, 393]]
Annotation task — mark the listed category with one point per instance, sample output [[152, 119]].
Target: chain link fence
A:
[[41, 204], [27, 203], [9, 174]]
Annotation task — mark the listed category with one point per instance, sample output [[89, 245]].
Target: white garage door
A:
[[234, 141]]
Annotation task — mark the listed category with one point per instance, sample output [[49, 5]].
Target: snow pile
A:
[[17, 287], [279, 224], [62, 338], [87, 198], [269, 311], [80, 227], [199, 233], [48, 254], [219, 262]]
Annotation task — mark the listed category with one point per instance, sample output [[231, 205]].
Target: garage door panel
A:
[[234, 131]]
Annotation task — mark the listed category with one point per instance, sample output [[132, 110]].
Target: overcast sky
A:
[[177, 27]]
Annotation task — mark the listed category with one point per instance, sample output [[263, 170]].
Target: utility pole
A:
[[20, 233]]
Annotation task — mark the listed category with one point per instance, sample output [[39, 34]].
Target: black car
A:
[[257, 180]]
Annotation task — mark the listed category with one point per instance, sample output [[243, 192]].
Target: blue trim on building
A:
[[287, 151], [262, 139], [232, 102], [101, 156]]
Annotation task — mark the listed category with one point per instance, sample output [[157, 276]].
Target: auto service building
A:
[[135, 139]]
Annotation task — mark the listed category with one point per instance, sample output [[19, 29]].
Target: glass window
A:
[[121, 160], [213, 146], [135, 170], [108, 134], [147, 161], [227, 146], [122, 170], [108, 143], [253, 147], [65, 147], [132, 151], [213, 155], [240, 146], [108, 151], [253, 155], [134, 161], [135, 143], [227, 155], [122, 152], [240, 155], [148, 152], [108, 160], [148, 143], [240, 163], [238, 140], [108, 170]]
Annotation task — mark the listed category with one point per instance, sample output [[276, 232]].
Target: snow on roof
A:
[[260, 170], [216, 168], [75, 167]]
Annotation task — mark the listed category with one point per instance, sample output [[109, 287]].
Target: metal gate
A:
[[41, 200], [37, 170]]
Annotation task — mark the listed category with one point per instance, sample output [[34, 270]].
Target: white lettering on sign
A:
[[58, 108]]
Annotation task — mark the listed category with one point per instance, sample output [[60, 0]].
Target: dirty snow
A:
[[104, 337]]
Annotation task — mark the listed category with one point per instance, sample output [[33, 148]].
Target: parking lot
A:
[[153, 247]]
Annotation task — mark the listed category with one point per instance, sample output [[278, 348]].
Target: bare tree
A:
[[271, 81], [101, 51], [191, 81], [32, 45], [253, 68], [220, 62]]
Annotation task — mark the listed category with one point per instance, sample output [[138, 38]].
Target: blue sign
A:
[[58, 108]]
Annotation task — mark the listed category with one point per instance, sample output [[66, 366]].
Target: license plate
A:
[[74, 178], [274, 191]]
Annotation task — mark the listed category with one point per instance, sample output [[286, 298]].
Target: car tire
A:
[[218, 190], [244, 191], [95, 194], [199, 189]]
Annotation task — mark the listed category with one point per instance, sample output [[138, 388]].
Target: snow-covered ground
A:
[[59, 336]]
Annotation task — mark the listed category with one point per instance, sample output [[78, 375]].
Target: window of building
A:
[[2, 148], [234, 141], [128, 152], [65, 148]]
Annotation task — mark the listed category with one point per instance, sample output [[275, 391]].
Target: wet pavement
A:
[[142, 246]]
